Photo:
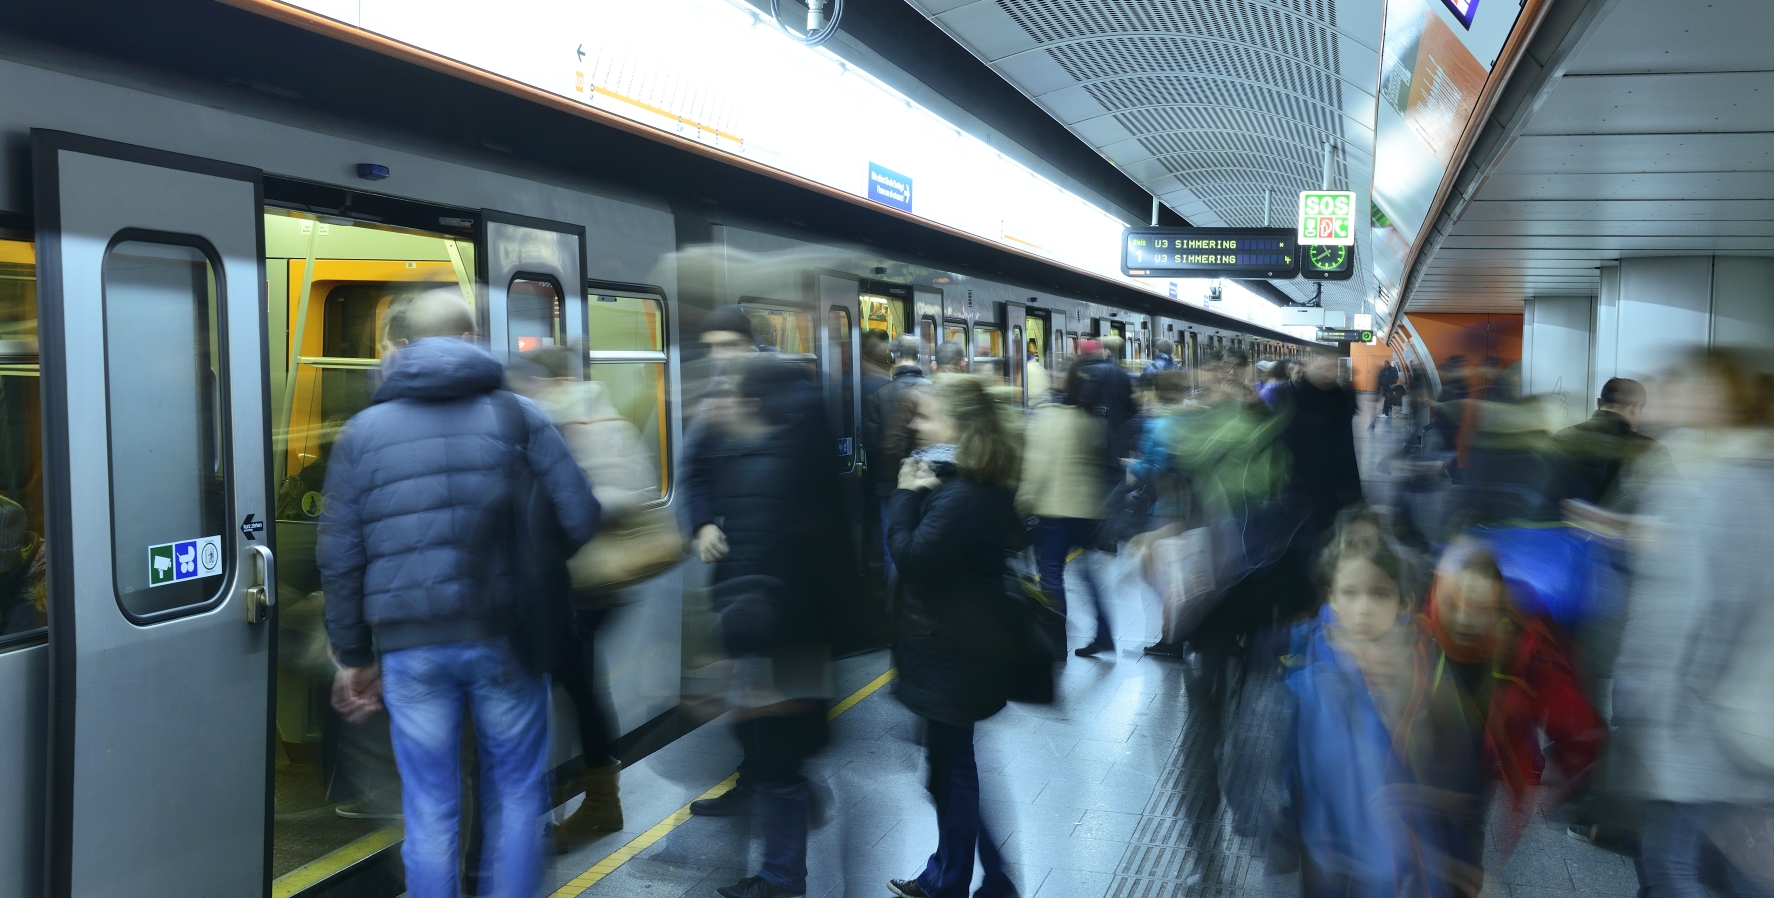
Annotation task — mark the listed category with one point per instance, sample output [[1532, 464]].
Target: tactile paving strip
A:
[[1166, 857]]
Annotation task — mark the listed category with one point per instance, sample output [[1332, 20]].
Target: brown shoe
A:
[[601, 811]]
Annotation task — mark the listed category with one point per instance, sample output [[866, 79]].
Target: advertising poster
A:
[[1435, 58]]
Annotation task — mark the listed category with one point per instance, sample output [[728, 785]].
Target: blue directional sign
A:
[[890, 188]]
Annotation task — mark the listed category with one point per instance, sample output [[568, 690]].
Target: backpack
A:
[[543, 610]]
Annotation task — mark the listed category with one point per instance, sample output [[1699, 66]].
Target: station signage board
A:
[[1344, 335], [1209, 253], [889, 188], [1327, 218]]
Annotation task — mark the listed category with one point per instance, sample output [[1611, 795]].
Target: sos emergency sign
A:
[[1327, 217]]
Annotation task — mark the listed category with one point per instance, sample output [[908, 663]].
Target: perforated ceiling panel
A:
[[1221, 108]]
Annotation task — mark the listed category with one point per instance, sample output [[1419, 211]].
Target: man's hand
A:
[[357, 692], [711, 544]]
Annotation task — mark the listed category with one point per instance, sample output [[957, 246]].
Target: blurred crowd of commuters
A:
[[1384, 690]]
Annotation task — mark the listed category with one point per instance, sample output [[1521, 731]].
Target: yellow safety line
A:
[[578, 884], [862, 693], [337, 860]]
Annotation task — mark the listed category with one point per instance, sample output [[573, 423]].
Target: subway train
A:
[[193, 278]]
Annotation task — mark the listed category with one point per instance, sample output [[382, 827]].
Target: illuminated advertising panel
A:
[[1435, 59]]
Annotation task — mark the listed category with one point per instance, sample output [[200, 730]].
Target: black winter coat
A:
[[957, 657], [881, 414], [775, 504]]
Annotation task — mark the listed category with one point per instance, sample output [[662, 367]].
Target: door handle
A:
[[261, 593]]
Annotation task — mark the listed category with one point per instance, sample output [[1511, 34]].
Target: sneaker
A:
[[906, 888], [757, 887], [735, 802], [1095, 648], [367, 809], [1166, 649]]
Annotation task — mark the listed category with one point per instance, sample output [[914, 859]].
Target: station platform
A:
[[1084, 797]]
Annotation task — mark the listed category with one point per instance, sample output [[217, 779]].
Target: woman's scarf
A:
[[936, 454]]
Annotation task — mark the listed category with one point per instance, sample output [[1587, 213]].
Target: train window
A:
[[988, 351], [788, 332], [168, 492], [626, 336], [927, 341], [954, 333], [23, 608], [533, 314], [843, 367], [883, 313]]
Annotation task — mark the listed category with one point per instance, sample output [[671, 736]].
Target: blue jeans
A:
[[777, 747], [954, 784], [1055, 538], [427, 690], [1671, 837]]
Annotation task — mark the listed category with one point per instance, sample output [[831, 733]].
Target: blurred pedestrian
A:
[[774, 492], [953, 524], [1609, 445], [1064, 481], [1387, 380], [1112, 395], [610, 451], [950, 358], [885, 414], [1517, 676], [1381, 782], [423, 590], [1692, 682], [1321, 437]]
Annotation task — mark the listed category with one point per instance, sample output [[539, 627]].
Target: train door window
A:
[[23, 608], [533, 314], [988, 351], [1071, 345], [927, 341], [883, 313], [331, 286], [954, 332], [168, 495], [843, 368], [626, 358], [786, 331]]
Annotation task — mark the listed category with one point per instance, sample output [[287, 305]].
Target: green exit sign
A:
[[1327, 217]]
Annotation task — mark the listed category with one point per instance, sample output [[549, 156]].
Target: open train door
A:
[[534, 272], [156, 461]]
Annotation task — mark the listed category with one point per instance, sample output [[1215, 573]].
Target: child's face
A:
[[1365, 600], [1472, 610]]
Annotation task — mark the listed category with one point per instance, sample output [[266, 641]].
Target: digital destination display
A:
[[1210, 252]]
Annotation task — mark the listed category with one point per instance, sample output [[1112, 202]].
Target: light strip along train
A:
[[192, 286]]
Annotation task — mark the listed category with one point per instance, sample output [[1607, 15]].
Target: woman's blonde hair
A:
[[984, 450]]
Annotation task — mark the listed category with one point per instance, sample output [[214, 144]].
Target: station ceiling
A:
[[1656, 139], [1220, 108]]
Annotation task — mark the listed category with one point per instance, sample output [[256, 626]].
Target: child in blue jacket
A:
[[1383, 783]]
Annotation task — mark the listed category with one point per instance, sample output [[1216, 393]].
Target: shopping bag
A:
[[1179, 568]]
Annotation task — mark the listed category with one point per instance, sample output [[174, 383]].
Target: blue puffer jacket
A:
[[410, 546]]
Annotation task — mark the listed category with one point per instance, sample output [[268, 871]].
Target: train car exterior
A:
[[198, 280]]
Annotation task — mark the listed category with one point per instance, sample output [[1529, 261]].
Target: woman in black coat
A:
[[951, 526]]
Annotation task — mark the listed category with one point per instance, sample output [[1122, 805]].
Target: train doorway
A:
[[332, 283]]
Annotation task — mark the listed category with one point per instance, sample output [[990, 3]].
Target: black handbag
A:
[[542, 609]]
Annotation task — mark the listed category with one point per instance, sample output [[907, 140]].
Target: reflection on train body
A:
[[22, 601]]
